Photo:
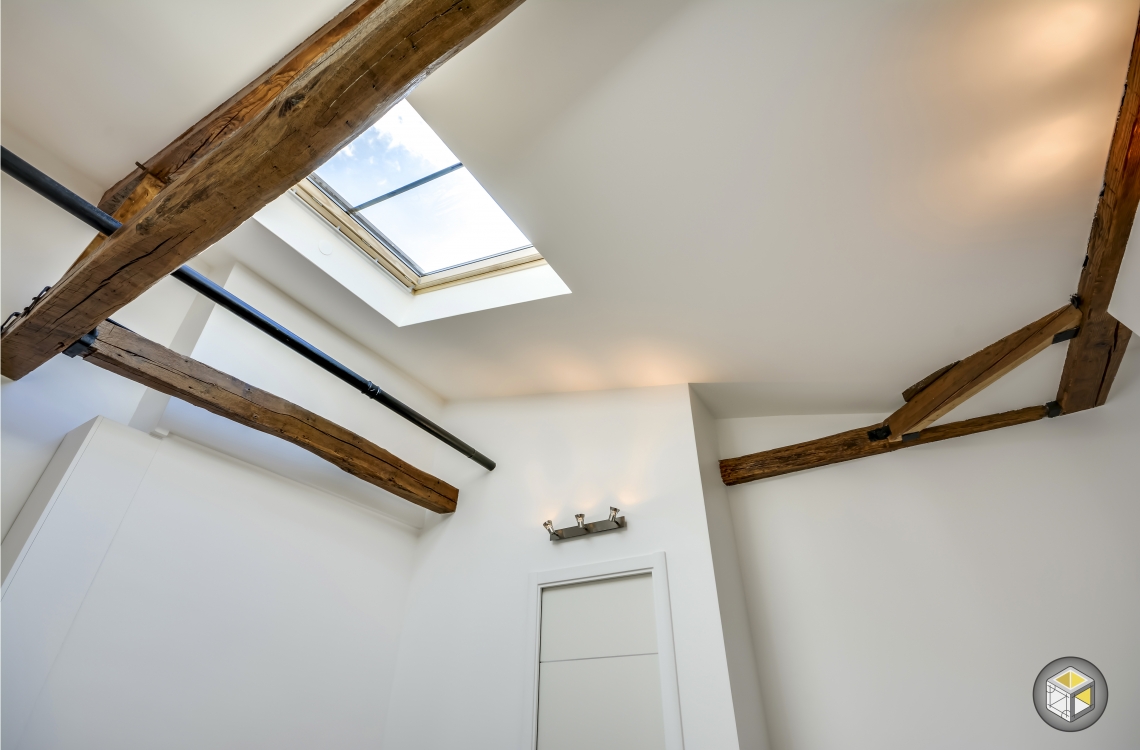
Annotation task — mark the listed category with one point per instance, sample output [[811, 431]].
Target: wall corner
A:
[[748, 707]]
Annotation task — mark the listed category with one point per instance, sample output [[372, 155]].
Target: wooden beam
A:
[[332, 100], [914, 390], [134, 192], [1118, 337], [847, 446], [124, 353], [205, 135], [1095, 354], [144, 192], [966, 378]]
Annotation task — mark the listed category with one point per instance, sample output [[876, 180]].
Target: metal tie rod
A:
[[103, 222]]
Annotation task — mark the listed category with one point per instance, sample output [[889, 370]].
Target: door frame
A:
[[654, 565]]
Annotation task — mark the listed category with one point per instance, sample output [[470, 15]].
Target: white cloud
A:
[[409, 131]]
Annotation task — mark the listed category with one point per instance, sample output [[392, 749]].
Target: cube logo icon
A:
[[1070, 694]]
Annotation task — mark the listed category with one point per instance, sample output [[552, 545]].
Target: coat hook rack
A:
[[613, 523]]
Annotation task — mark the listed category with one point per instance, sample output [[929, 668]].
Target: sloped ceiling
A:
[[807, 206]]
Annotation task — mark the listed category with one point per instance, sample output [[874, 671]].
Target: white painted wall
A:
[[465, 664], [176, 597], [40, 242], [1125, 304], [170, 594], [216, 596], [234, 347], [878, 589], [224, 598], [261, 607], [746, 695]]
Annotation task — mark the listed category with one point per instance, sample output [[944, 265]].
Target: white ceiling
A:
[[807, 205], [103, 83]]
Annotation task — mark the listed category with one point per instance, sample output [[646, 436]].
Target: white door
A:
[[599, 684]]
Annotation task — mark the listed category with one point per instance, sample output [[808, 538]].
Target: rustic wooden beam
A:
[[975, 425], [1119, 336], [847, 446], [125, 353], [144, 192], [333, 99], [966, 378], [205, 135], [1095, 354], [913, 391]]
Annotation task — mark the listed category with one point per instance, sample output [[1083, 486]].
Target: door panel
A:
[[601, 704], [612, 617], [599, 682]]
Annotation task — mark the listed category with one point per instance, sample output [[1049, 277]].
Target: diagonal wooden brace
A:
[[977, 371]]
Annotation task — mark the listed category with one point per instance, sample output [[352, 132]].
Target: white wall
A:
[[1125, 304], [465, 666], [746, 696], [225, 605], [236, 348], [879, 589], [236, 597], [209, 608], [40, 242], [176, 597], [177, 564], [230, 603]]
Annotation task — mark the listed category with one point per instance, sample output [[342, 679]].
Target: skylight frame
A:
[[346, 219], [440, 225]]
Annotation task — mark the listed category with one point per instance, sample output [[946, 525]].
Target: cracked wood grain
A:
[[129, 355], [335, 96], [144, 192]]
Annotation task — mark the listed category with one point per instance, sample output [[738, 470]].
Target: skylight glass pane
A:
[[446, 222], [400, 148]]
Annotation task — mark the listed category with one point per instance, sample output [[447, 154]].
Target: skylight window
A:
[[423, 215]]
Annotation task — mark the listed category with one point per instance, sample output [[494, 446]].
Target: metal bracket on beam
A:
[[879, 433], [1066, 335], [17, 315], [81, 348], [1054, 409]]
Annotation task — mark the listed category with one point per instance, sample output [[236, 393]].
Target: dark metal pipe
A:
[[56, 193], [275, 330], [73, 204]]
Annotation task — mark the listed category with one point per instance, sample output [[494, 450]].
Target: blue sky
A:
[[446, 222]]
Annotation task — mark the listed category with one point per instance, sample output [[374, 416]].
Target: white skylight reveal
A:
[[405, 188]]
